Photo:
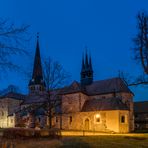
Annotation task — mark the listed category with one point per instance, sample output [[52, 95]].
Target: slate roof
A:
[[35, 99], [107, 86], [141, 107], [98, 87], [103, 104], [14, 95]]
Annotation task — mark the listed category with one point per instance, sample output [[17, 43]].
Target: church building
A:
[[104, 105]]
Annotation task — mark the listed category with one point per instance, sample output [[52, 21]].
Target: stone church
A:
[[104, 105]]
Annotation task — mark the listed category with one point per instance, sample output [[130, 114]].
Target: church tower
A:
[[86, 70], [37, 83]]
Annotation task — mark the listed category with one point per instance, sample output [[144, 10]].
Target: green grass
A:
[[103, 141]]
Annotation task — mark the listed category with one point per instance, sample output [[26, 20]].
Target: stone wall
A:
[[109, 121], [7, 108], [127, 98], [73, 102]]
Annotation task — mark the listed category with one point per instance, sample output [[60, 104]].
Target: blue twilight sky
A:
[[106, 27]]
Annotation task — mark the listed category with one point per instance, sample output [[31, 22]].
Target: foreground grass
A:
[[102, 141], [105, 142]]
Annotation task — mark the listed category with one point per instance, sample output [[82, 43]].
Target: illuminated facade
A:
[[108, 112], [105, 105]]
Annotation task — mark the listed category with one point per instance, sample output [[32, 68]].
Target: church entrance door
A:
[[86, 124]]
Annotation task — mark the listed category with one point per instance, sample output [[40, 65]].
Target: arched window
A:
[[97, 118], [86, 126], [122, 119], [70, 119]]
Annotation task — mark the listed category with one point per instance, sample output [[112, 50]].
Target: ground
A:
[[102, 141]]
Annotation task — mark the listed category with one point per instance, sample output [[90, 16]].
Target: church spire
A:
[[86, 71], [83, 64], [37, 75], [90, 63], [86, 59], [37, 69]]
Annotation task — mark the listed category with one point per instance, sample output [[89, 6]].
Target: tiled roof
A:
[[35, 99], [141, 107], [104, 104], [107, 86], [13, 95], [98, 87]]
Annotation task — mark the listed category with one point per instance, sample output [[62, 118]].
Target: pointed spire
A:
[[37, 69], [83, 64], [90, 63], [87, 70], [37, 75], [86, 59]]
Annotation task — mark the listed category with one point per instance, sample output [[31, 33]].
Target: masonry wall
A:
[[127, 98], [109, 121], [73, 102], [7, 107]]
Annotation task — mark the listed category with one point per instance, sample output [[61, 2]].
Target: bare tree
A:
[[141, 41], [140, 52], [133, 81], [54, 74], [55, 77], [12, 40]]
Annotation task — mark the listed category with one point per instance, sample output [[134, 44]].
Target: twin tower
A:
[[86, 70], [37, 83]]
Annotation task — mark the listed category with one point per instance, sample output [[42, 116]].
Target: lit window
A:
[[122, 119], [70, 119], [97, 118]]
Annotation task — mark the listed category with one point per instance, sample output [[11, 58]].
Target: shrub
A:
[[16, 133]]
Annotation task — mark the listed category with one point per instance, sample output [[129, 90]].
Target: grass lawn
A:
[[102, 141]]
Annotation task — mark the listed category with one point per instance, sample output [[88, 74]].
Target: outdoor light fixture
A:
[[97, 115]]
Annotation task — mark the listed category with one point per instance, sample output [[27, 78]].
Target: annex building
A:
[[105, 105]]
